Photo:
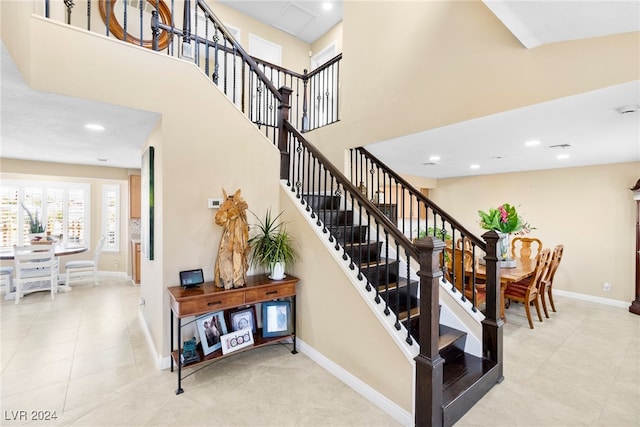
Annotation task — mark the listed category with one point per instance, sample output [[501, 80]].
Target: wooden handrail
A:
[[371, 209], [469, 235]]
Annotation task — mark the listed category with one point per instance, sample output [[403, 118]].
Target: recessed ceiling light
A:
[[474, 166], [562, 156], [94, 126], [327, 5], [532, 143], [434, 158]]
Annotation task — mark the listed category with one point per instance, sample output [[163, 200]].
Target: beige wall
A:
[[589, 210], [96, 177], [334, 35]]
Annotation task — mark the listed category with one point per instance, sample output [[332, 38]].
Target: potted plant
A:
[[272, 247], [505, 220], [35, 225]]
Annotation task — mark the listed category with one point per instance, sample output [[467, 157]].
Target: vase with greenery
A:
[[35, 224], [505, 220], [272, 247]]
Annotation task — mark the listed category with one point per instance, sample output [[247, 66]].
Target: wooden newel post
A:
[[635, 304], [429, 364], [283, 115], [492, 339]]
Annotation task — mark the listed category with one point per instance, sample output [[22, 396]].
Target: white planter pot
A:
[[277, 271]]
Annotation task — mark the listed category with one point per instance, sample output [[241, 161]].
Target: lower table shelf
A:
[[258, 341]]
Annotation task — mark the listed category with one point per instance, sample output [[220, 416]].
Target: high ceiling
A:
[[47, 127], [306, 20]]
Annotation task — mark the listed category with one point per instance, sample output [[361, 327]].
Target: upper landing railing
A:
[[250, 83]]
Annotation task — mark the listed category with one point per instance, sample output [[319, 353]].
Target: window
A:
[[111, 217], [62, 207]]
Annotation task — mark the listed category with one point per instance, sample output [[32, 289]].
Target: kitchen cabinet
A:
[[134, 196]]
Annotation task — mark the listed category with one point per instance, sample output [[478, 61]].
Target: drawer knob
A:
[[214, 303], [271, 292]]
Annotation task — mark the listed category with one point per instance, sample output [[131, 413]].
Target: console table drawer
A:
[[211, 303], [266, 293]]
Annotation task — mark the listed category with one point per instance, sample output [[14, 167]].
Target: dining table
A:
[[524, 268], [59, 249]]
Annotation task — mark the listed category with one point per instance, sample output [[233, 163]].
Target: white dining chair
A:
[[81, 269], [36, 270], [6, 278]]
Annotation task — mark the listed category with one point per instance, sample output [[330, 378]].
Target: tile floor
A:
[[85, 357]]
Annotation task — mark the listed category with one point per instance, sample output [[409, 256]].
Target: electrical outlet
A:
[[116, 263], [606, 287]]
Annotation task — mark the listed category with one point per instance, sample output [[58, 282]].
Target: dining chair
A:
[[458, 262], [527, 291], [81, 269], [521, 247], [464, 243], [547, 283], [6, 278], [36, 270]]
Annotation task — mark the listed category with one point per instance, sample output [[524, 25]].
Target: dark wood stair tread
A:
[[448, 336]]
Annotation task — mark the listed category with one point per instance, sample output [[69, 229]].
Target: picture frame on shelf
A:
[[236, 340], [211, 327], [276, 319], [243, 318]]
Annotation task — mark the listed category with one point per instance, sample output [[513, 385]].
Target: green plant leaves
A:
[[272, 243]]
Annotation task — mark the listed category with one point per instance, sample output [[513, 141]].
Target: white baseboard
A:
[[158, 359], [591, 298], [118, 274], [372, 395]]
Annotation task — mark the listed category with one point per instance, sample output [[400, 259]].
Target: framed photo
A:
[[276, 318], [211, 327], [236, 340], [243, 319]]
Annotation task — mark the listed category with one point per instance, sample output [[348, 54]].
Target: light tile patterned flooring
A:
[[84, 356]]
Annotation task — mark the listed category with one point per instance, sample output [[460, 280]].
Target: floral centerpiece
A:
[[504, 219]]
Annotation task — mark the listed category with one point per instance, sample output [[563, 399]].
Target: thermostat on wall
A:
[[214, 203]]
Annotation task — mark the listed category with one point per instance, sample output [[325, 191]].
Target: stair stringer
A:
[[410, 351]]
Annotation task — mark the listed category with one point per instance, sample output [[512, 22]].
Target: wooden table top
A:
[[208, 288], [524, 268], [59, 250]]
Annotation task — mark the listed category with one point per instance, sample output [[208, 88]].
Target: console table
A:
[[208, 298]]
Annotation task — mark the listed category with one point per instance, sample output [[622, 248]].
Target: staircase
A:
[[465, 377], [403, 277]]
